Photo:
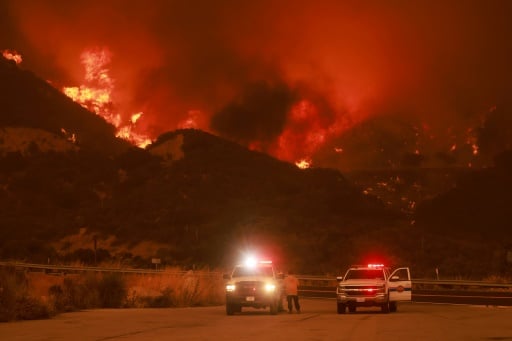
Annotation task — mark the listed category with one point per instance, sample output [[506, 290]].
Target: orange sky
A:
[[291, 78]]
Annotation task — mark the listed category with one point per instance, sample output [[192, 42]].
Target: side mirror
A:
[[339, 278], [226, 276]]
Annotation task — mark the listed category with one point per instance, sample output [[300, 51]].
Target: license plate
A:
[[360, 299], [249, 298]]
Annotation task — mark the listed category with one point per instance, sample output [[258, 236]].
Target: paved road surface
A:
[[318, 321]]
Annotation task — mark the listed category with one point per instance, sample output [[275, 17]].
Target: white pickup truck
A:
[[253, 284], [373, 285]]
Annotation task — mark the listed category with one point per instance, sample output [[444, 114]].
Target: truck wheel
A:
[[341, 308], [351, 308], [385, 308], [230, 309], [392, 307]]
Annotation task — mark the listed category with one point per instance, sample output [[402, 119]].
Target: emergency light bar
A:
[[251, 262], [375, 266]]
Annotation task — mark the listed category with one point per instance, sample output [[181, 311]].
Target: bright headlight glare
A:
[[230, 287], [270, 287]]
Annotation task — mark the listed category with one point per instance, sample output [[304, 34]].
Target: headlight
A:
[[270, 287], [230, 287]]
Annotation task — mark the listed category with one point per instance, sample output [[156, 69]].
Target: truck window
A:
[[403, 275], [242, 271], [365, 274]]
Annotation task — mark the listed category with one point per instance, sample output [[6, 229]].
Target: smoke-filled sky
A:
[[349, 84]]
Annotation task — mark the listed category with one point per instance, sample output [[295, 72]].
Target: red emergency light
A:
[[376, 266]]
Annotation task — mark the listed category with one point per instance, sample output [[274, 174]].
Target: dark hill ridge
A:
[[478, 206], [213, 201], [219, 195]]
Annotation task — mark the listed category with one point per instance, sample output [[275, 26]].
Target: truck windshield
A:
[[242, 271], [365, 274]]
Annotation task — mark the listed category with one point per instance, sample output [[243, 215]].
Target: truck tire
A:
[[385, 308], [351, 308], [393, 307], [342, 308]]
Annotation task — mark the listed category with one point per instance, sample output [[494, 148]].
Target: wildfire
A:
[[303, 164], [12, 55], [96, 95], [471, 140], [71, 137], [303, 136]]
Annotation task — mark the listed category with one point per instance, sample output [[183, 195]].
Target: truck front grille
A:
[[367, 290], [249, 288]]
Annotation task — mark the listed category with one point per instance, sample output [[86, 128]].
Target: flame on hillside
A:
[[308, 127], [303, 164], [96, 95], [12, 55]]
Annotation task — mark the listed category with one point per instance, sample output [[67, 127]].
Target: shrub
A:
[[112, 291], [7, 294], [29, 308], [75, 294], [165, 300], [15, 301]]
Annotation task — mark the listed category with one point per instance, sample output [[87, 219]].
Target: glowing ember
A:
[[96, 95], [12, 55], [474, 146], [303, 164], [71, 137], [135, 117]]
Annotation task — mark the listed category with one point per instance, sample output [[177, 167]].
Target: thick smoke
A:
[[258, 115], [427, 73]]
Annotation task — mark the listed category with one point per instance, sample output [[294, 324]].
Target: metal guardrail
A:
[[465, 283], [309, 282], [76, 269], [421, 282]]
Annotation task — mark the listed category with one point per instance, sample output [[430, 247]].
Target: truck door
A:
[[400, 285]]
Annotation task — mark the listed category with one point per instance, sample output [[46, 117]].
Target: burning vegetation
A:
[[290, 84], [96, 94]]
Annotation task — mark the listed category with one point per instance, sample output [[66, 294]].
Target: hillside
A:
[[71, 191], [212, 203]]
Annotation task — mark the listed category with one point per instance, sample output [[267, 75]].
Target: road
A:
[[318, 321]]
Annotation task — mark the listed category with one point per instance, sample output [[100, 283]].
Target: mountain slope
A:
[[30, 102]]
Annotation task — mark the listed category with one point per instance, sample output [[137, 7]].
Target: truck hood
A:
[[252, 278]]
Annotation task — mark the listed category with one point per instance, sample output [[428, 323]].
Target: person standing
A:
[[291, 289]]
